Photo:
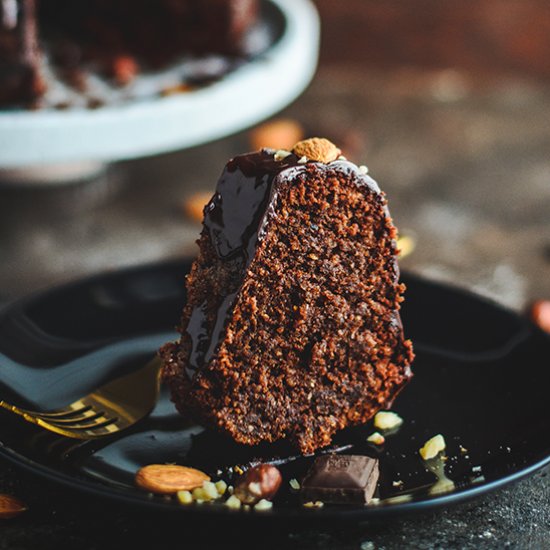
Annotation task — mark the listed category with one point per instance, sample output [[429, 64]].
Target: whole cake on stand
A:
[[149, 123]]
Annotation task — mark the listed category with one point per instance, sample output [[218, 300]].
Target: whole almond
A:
[[194, 204], [10, 506], [540, 313], [168, 479], [317, 149], [280, 133]]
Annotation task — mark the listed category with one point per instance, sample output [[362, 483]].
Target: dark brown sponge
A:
[[291, 331]]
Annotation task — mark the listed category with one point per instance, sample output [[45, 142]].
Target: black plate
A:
[[481, 378]]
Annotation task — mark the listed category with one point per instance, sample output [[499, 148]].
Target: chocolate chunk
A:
[[341, 479]]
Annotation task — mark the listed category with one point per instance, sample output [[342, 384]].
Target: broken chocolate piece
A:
[[341, 479]]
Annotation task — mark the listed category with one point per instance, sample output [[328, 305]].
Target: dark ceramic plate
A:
[[481, 378]]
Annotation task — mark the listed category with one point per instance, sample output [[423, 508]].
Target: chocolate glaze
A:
[[235, 219], [233, 216]]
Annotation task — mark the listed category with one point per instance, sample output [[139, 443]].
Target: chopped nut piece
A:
[[169, 478], [198, 494], [282, 154], [210, 491], [184, 497], [294, 484], [280, 133], [387, 420], [316, 504], [263, 505], [432, 447], [221, 487], [10, 506], [302, 160], [233, 502], [377, 438]]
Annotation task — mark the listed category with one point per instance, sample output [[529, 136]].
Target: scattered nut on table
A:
[[193, 205], [260, 482], [10, 507], [540, 314], [281, 133]]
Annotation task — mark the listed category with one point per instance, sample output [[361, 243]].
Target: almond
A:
[[194, 204], [10, 506], [280, 133], [317, 149], [540, 313], [169, 478]]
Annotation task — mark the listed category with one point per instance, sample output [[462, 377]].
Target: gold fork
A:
[[110, 408]]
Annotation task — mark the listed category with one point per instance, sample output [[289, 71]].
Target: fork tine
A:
[[100, 422], [72, 420], [102, 412], [106, 428], [65, 412]]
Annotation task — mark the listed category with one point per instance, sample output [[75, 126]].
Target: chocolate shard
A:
[[341, 479]]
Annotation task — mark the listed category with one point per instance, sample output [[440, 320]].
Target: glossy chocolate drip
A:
[[234, 219], [233, 216]]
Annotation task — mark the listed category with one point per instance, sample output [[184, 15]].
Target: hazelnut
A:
[[260, 482]]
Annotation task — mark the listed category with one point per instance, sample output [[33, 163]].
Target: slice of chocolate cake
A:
[[292, 327]]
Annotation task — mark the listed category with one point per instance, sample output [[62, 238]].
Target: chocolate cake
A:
[[292, 328], [143, 33]]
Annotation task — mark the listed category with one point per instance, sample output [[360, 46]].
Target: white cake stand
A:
[[58, 145]]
